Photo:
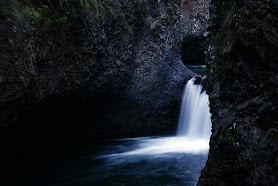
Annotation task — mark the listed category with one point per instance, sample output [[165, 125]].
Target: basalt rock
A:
[[108, 70], [242, 87]]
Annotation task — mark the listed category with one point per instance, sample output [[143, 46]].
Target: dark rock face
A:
[[242, 87], [110, 72], [115, 72]]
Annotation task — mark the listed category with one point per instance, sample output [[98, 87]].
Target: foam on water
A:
[[162, 145], [194, 129]]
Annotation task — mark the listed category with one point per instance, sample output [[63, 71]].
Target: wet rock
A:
[[243, 62]]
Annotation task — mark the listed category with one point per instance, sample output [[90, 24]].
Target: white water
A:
[[194, 129], [161, 145], [194, 121], [176, 160]]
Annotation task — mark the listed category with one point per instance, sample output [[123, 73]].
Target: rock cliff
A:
[[101, 68], [242, 87]]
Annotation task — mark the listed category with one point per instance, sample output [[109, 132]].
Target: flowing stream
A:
[[174, 160]]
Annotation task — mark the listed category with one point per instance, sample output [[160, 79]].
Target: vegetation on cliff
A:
[[48, 13]]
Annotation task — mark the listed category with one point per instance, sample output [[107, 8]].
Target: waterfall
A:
[[194, 120], [194, 129]]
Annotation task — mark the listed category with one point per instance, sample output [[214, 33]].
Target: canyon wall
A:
[[103, 69], [242, 87]]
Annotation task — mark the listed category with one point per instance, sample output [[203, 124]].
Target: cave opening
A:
[[193, 53]]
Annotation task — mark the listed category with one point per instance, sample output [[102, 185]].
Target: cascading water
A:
[[194, 120], [171, 160], [194, 128]]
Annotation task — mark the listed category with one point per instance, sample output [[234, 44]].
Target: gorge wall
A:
[[72, 71], [94, 69], [242, 86]]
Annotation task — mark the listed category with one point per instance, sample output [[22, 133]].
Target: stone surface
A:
[[114, 71], [71, 74], [242, 87]]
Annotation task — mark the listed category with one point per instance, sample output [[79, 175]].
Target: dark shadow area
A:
[[47, 132], [192, 51], [57, 126]]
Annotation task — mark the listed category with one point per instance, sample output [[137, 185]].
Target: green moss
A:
[[39, 77], [48, 13], [158, 35], [251, 30], [134, 18], [224, 37], [221, 137], [61, 19], [84, 51], [229, 92], [228, 19], [144, 10], [32, 13], [102, 36], [61, 11], [3, 9], [128, 26], [94, 5], [271, 36], [271, 131], [230, 136], [228, 47], [247, 122], [247, 13], [245, 93], [227, 165], [99, 7]]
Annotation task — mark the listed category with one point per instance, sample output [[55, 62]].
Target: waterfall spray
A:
[[194, 129], [194, 120]]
